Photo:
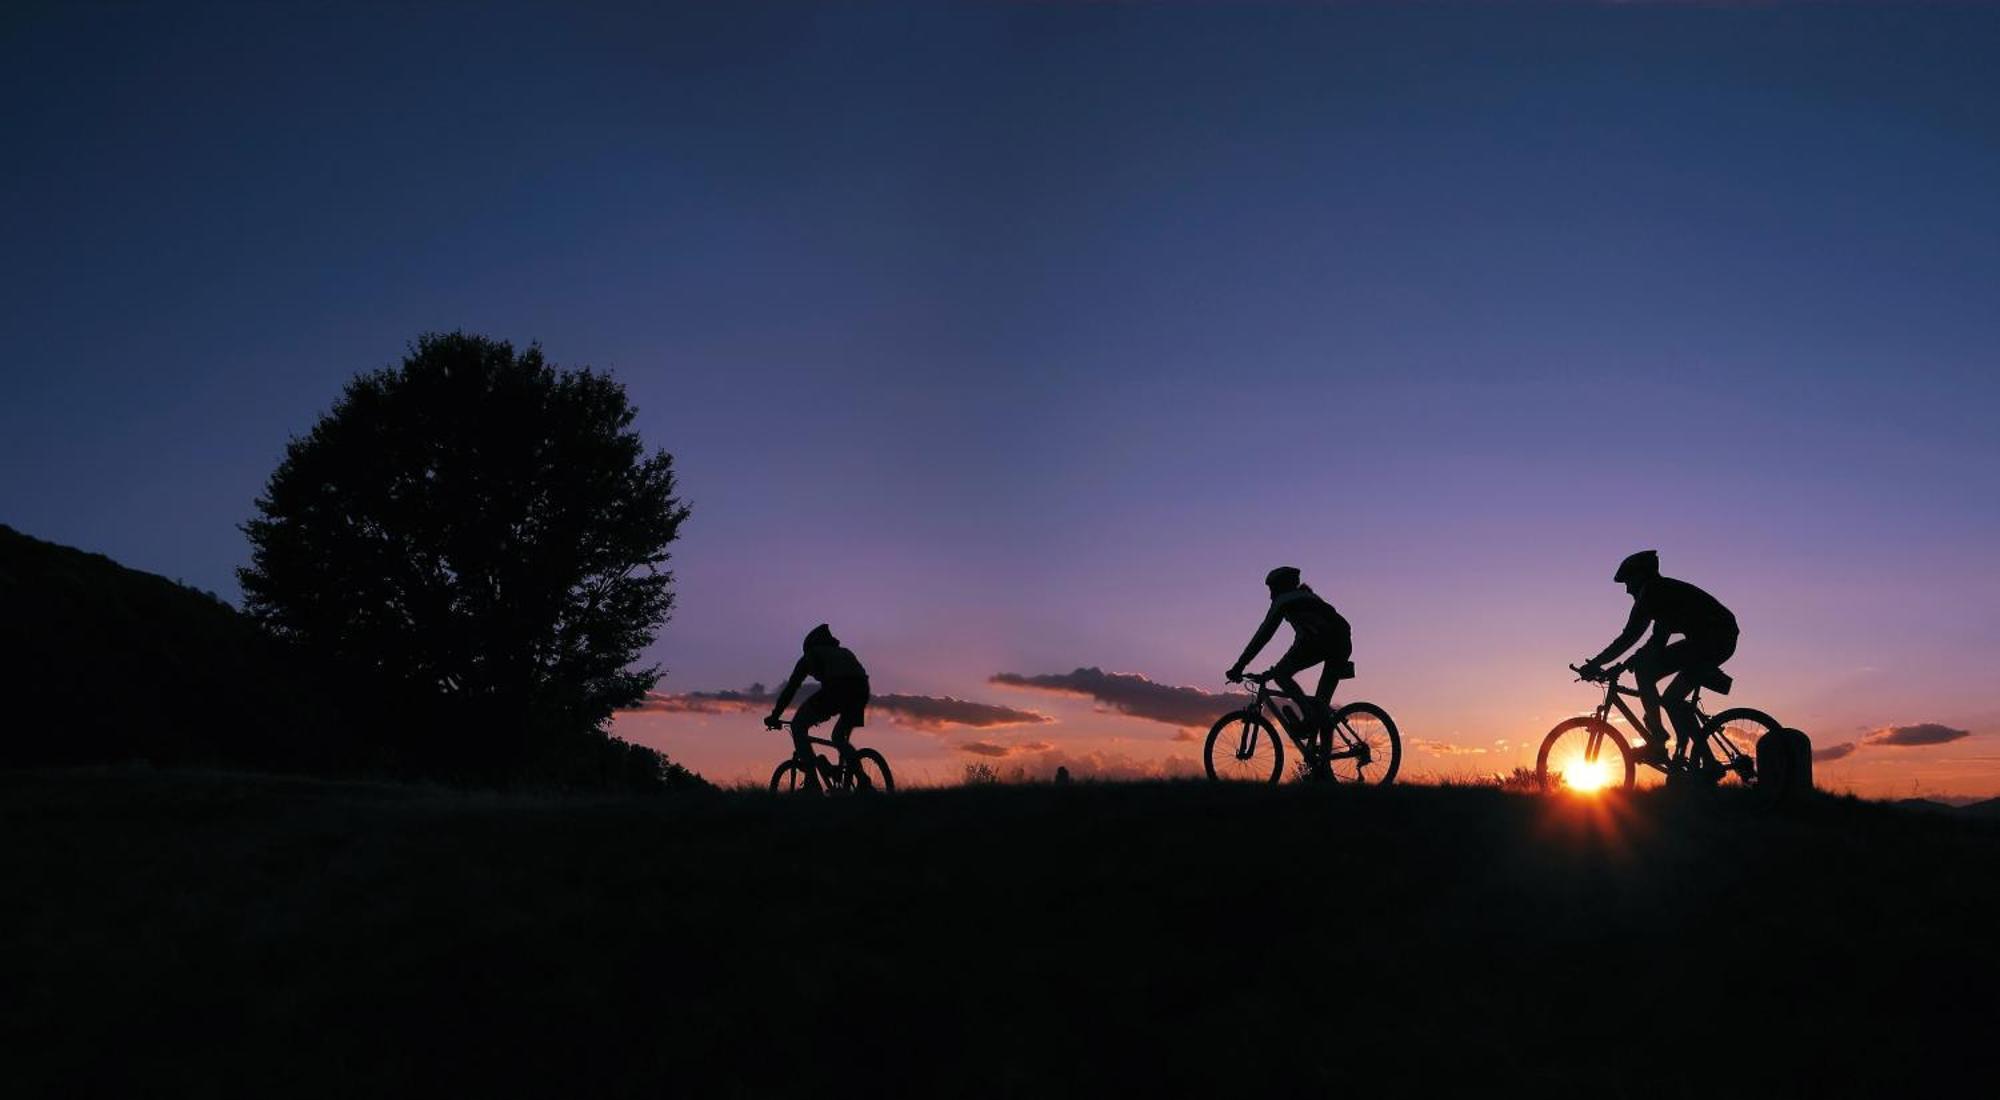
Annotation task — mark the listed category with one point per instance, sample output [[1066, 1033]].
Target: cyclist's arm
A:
[[1262, 638], [790, 689], [1634, 626]]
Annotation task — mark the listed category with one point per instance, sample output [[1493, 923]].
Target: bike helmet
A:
[[821, 635], [1642, 566], [1284, 577]]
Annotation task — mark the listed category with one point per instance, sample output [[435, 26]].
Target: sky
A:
[[1018, 341]]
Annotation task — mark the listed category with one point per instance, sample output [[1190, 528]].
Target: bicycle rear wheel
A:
[[1243, 748], [1366, 747], [871, 773], [1584, 754], [1732, 738]]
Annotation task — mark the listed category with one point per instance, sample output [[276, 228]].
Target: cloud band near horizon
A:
[[1130, 694], [923, 713], [1921, 733], [1915, 735]]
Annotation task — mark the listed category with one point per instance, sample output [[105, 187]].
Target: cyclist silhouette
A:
[[842, 695], [1707, 638], [1319, 637]]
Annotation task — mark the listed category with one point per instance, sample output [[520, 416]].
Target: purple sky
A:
[[1022, 338]]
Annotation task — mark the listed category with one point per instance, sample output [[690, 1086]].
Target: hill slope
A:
[[107, 663], [220, 934]]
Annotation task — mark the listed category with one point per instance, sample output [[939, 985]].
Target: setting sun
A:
[[1586, 777]]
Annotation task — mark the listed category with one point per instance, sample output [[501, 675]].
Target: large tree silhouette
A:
[[478, 533]]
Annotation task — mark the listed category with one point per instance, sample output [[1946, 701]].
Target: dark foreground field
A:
[[188, 933]]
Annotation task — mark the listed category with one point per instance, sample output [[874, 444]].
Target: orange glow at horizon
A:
[[1490, 734], [1586, 778]]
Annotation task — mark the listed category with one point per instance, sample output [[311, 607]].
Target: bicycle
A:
[[1361, 747], [859, 771], [1728, 743]]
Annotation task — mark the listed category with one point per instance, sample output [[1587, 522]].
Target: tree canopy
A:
[[477, 531]]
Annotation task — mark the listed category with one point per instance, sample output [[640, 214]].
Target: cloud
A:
[[996, 748], [1444, 748], [701, 702], [925, 713], [1923, 733], [985, 748], [1130, 694], [935, 714]]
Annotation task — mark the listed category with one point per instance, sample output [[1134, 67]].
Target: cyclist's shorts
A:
[[1701, 657], [1705, 652], [1303, 655], [846, 699]]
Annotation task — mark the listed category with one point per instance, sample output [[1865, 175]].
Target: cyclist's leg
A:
[[1296, 660], [847, 700], [1329, 677], [843, 740], [1296, 692], [1689, 660], [812, 712], [1646, 669]]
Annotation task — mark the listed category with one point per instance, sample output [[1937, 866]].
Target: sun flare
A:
[[1587, 778]]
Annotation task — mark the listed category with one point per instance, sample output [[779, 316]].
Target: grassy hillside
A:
[[174, 933], [107, 663]]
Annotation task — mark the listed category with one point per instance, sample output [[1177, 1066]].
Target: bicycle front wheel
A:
[[1366, 747], [871, 773], [790, 778], [1243, 748], [1584, 754]]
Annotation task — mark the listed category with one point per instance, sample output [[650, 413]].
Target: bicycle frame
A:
[[844, 755], [854, 767], [1615, 694], [1263, 699]]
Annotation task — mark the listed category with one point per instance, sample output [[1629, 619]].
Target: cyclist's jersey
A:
[[1672, 607], [1677, 607], [1313, 620], [828, 662]]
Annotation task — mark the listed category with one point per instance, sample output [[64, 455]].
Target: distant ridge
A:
[[1985, 808], [1926, 805], [109, 664]]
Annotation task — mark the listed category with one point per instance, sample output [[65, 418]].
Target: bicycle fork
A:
[[1246, 745], [1593, 745]]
